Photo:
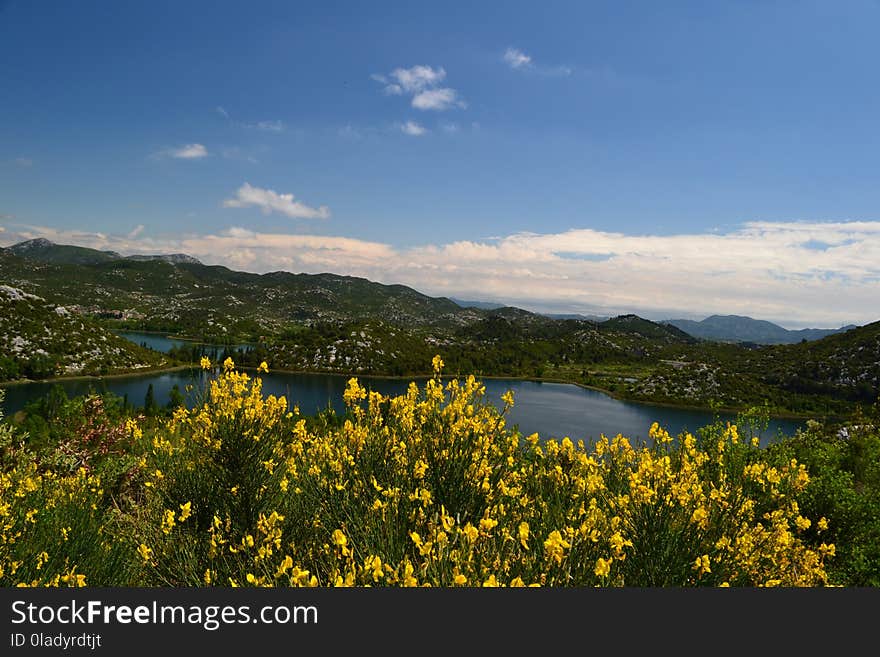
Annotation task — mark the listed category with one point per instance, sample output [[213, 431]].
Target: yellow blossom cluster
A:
[[431, 488]]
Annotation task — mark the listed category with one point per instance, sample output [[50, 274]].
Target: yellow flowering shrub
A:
[[428, 488], [432, 488]]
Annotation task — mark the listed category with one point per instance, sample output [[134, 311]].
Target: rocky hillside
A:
[[39, 339]]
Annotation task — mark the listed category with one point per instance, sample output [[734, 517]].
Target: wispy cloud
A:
[[266, 126], [269, 201], [422, 83], [520, 61], [412, 129], [185, 152], [516, 58], [135, 232], [768, 270], [273, 125]]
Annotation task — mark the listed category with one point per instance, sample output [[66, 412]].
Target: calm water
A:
[[163, 343], [550, 409]]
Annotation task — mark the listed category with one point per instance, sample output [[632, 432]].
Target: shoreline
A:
[[96, 377], [391, 377], [172, 336]]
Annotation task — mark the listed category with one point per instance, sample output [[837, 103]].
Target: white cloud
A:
[[422, 83], [222, 112], [185, 152], [269, 201], [437, 99], [794, 273], [516, 58], [417, 78], [412, 129], [190, 152], [135, 232]]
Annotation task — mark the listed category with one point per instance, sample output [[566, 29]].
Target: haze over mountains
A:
[[736, 328], [721, 328], [348, 325]]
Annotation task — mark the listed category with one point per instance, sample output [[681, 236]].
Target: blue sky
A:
[[567, 156]]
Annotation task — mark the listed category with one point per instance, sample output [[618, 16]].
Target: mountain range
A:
[[46, 251], [736, 328], [343, 324]]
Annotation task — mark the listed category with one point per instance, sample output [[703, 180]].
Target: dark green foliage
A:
[[844, 466]]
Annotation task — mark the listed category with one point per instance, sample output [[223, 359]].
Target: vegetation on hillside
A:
[[430, 487], [340, 324], [40, 340]]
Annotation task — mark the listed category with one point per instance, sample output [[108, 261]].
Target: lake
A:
[[164, 343], [550, 409]]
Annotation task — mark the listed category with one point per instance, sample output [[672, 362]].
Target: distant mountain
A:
[[173, 258], [43, 250], [736, 328], [645, 327], [61, 254], [482, 305], [578, 316], [179, 294]]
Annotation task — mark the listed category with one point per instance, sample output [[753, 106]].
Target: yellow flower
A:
[[700, 517], [702, 564], [437, 362], [376, 567], [145, 552], [168, 521], [185, 511], [205, 363], [507, 398], [524, 534], [802, 523], [340, 541], [827, 549], [264, 367], [460, 580], [822, 524], [603, 567], [555, 546], [488, 524]]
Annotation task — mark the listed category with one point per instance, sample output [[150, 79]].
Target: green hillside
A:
[[39, 340], [343, 324]]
